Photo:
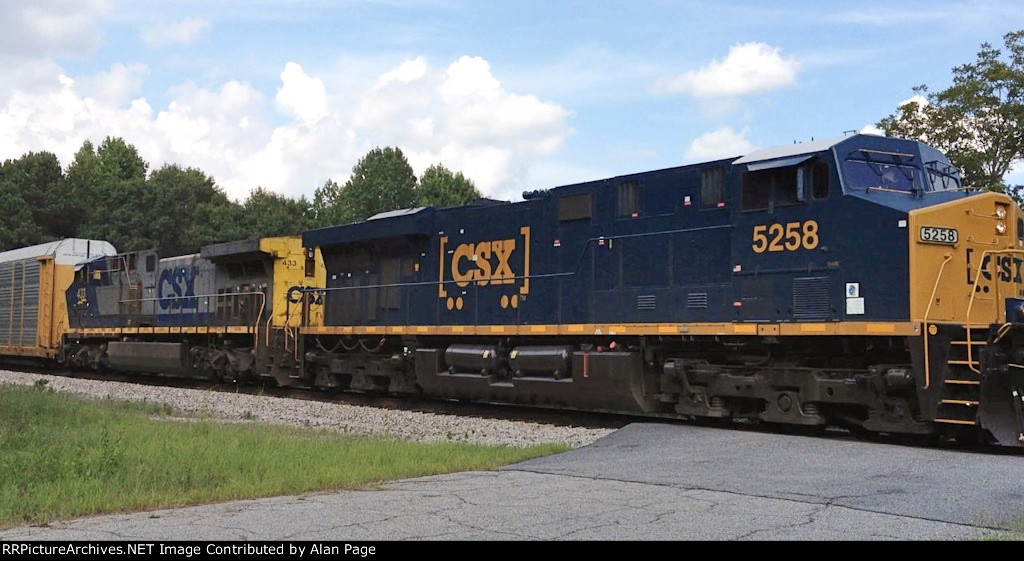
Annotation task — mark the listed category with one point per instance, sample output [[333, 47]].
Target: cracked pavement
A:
[[645, 482]]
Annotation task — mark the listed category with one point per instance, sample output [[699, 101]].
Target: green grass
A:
[[62, 456]]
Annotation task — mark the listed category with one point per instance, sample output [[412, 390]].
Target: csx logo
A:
[[485, 262], [1007, 267], [493, 262]]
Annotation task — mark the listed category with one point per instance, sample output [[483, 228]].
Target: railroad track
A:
[[469, 411], [517, 413]]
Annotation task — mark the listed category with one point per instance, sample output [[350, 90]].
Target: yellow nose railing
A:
[[997, 283]]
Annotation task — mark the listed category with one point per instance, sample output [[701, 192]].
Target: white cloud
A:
[[748, 68], [872, 129], [179, 32], [51, 27], [303, 95], [117, 85], [409, 71], [719, 143], [919, 99], [460, 115]]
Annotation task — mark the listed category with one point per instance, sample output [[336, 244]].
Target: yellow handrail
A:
[[974, 290], [935, 288]]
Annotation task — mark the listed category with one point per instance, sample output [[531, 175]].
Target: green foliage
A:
[[978, 121], [383, 180], [37, 203], [191, 210], [327, 207], [108, 193], [440, 187], [62, 457], [267, 213], [121, 161], [17, 229]]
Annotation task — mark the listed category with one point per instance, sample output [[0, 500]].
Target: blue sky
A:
[[517, 95]]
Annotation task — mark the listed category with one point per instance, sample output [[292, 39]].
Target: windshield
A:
[[943, 176], [862, 174]]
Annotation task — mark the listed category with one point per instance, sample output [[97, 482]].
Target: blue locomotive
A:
[[850, 281]]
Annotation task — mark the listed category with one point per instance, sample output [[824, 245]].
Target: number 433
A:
[[791, 237]]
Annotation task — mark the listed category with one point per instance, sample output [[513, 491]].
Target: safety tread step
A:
[[956, 422]]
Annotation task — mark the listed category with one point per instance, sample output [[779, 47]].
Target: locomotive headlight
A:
[[1000, 227], [1000, 212]]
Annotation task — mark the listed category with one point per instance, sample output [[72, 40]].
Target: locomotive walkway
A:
[[646, 481]]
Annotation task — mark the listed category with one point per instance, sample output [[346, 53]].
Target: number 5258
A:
[[791, 237]]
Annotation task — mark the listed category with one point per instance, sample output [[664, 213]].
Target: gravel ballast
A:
[[348, 419]]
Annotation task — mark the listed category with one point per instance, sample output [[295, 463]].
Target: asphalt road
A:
[[646, 482]]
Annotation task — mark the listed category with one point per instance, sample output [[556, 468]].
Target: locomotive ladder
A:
[[961, 387], [960, 395]]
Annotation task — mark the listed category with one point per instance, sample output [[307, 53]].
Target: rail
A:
[[935, 287], [256, 321], [985, 258]]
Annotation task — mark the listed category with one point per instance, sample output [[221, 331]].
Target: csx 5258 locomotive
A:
[[850, 281]]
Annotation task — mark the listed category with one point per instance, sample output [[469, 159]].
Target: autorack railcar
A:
[[33, 281]]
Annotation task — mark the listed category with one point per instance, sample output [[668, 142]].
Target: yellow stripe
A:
[[881, 328], [782, 329]]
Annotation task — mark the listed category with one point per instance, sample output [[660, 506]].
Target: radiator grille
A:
[[811, 299], [646, 302], [697, 301]]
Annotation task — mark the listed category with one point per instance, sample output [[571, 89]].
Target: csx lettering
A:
[[177, 289], [789, 237], [1008, 269], [483, 263]]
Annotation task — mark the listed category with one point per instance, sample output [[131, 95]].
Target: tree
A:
[[107, 189], [327, 209], [38, 178], [183, 208], [17, 229], [120, 160], [440, 187], [979, 120], [266, 213], [383, 180]]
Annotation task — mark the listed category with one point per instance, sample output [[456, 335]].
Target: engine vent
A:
[[697, 301], [646, 302], [811, 299]]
